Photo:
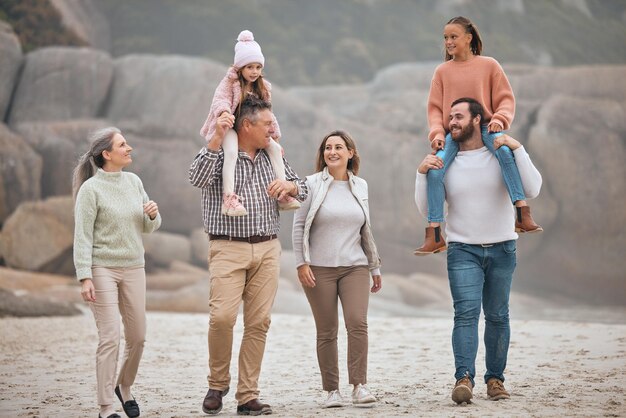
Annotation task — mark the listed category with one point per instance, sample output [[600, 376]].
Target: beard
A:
[[466, 133]]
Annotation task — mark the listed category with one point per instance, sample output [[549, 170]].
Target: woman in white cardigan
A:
[[336, 255]]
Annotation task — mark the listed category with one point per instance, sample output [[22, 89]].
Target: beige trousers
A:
[[352, 286], [118, 291], [240, 272]]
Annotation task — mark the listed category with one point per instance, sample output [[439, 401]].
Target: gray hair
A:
[[89, 162]]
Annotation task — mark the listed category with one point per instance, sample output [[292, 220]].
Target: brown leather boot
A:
[[433, 243], [524, 221], [212, 403]]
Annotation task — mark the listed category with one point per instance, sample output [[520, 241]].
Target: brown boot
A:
[[462, 391], [212, 403], [496, 390], [524, 221], [433, 243]]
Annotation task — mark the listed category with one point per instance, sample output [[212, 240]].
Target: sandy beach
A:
[[555, 369]]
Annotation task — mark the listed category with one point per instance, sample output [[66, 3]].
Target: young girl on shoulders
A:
[[243, 78], [466, 73]]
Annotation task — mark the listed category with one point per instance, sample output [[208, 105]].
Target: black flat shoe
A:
[[130, 407], [111, 416]]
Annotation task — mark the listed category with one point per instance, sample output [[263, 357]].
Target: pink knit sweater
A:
[[481, 78], [226, 98]]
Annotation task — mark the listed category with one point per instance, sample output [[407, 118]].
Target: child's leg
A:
[[524, 221], [230, 145], [231, 206], [433, 241], [510, 173], [436, 190], [275, 152]]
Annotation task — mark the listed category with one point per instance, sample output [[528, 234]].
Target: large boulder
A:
[[25, 305], [11, 53], [20, 172], [60, 83], [38, 236], [162, 248], [60, 144], [163, 96], [163, 167], [85, 19], [580, 144]]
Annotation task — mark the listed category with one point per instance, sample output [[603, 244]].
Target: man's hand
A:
[[225, 122], [281, 188], [506, 140], [430, 162]]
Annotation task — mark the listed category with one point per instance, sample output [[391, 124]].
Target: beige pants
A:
[[351, 285], [118, 291], [240, 272]]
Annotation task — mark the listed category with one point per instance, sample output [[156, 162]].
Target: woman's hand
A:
[[378, 283], [88, 291], [151, 209], [305, 275]]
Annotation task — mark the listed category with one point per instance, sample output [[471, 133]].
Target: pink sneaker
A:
[[231, 206], [288, 203]]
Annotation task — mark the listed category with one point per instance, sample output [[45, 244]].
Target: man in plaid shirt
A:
[[244, 252]]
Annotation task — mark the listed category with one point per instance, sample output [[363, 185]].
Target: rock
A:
[[140, 101], [38, 236], [60, 144], [580, 146], [199, 247], [26, 280], [11, 53], [162, 248], [85, 19], [20, 172], [60, 83], [163, 167], [28, 306]]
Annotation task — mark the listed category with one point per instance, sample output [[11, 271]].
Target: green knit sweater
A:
[[109, 221]]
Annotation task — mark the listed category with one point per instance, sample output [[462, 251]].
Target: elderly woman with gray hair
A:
[[111, 212]]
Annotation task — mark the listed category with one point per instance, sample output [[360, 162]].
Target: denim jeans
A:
[[481, 275], [436, 189]]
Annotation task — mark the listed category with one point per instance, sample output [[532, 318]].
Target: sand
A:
[[555, 369]]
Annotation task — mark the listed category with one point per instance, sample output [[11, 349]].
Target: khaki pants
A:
[[118, 291], [351, 285], [240, 272]]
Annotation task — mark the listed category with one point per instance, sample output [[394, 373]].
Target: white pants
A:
[[230, 145]]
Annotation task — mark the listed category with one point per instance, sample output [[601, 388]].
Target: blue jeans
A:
[[481, 275], [436, 189]]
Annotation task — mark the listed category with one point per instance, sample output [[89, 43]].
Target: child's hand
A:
[[494, 127], [438, 144]]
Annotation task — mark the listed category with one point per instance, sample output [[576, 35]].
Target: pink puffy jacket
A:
[[226, 98]]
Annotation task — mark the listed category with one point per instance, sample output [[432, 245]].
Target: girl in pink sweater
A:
[[465, 73], [243, 78]]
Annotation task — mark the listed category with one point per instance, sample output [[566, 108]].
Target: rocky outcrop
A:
[[29, 306], [11, 53], [38, 236], [85, 19], [20, 172], [60, 144], [162, 248], [61, 83]]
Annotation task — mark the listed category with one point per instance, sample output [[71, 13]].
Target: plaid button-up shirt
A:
[[251, 180]]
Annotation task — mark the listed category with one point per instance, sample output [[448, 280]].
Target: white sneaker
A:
[[362, 397], [334, 399]]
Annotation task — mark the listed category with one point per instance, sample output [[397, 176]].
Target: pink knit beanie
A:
[[247, 50]]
